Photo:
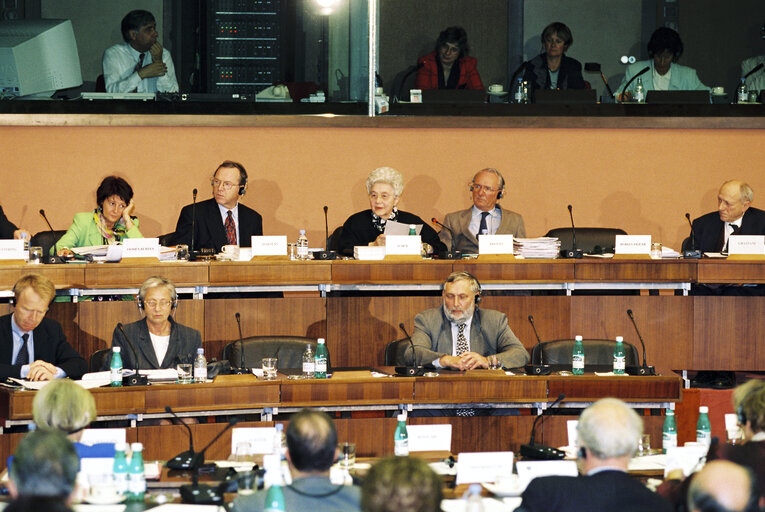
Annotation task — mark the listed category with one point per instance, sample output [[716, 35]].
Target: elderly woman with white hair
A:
[[384, 186]]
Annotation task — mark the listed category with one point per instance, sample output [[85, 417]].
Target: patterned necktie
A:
[[23, 356], [462, 343], [483, 227], [139, 64], [230, 229]]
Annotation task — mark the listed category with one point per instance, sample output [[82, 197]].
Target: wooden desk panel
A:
[[63, 275], [270, 273], [130, 275], [535, 271], [666, 387], [730, 271], [379, 272], [479, 386], [642, 271], [212, 396], [347, 388], [728, 333]]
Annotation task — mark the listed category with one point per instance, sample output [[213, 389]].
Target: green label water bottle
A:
[[274, 499], [669, 431], [120, 468], [136, 476], [577, 357], [412, 230], [320, 366], [401, 437], [115, 368], [619, 356], [703, 427]]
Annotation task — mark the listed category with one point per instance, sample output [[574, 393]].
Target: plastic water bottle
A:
[[741, 92], [619, 356], [115, 368], [577, 357], [473, 500], [25, 237], [200, 366], [412, 230], [525, 94], [669, 431], [120, 468], [309, 363], [518, 93], [401, 437], [320, 360], [136, 476], [280, 441], [703, 427], [639, 91], [275, 498], [302, 246]]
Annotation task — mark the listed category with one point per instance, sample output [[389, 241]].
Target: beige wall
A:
[[641, 180]]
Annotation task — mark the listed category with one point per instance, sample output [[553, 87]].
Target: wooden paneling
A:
[[131, 275], [535, 271], [551, 315], [728, 333], [629, 388], [270, 273], [63, 276], [186, 397], [480, 386], [345, 389], [731, 271], [666, 324], [643, 271], [365, 272]]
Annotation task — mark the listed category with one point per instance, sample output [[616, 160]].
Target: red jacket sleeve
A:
[[469, 74], [427, 75]]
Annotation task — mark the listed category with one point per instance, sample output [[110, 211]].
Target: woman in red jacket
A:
[[449, 66]]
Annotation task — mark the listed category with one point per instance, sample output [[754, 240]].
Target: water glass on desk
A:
[[182, 252], [35, 255], [347, 455], [184, 373], [269, 368]]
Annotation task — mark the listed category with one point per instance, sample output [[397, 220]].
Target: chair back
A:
[[287, 349], [597, 352], [333, 244], [97, 359], [395, 352], [167, 240], [589, 240], [46, 239]]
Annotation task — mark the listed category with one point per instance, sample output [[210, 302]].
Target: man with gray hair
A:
[[484, 217], [609, 432], [43, 472], [722, 486]]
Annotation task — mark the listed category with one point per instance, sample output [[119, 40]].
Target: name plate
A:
[[12, 250], [140, 248], [403, 245], [530, 469], [632, 244], [746, 244], [260, 439], [483, 466], [430, 438], [495, 244], [269, 245]]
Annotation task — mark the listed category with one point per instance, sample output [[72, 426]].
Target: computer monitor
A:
[[38, 58]]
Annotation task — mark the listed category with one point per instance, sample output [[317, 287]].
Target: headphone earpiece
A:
[[242, 189], [500, 194], [582, 453], [741, 416]]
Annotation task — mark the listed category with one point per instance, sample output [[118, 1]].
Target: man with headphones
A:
[[221, 220], [31, 346], [459, 336], [608, 435], [484, 217]]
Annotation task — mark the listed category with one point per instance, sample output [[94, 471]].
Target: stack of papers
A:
[[367, 252], [542, 247]]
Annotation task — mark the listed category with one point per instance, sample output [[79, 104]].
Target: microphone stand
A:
[[326, 254], [55, 258], [451, 254], [137, 379], [183, 460], [537, 369], [644, 369], [242, 369], [414, 370], [195, 493], [192, 253], [540, 451], [573, 252], [691, 253]]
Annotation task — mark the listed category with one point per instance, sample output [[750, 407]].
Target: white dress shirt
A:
[[455, 333], [119, 64], [492, 221]]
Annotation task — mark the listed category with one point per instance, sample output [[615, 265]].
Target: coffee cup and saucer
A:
[[497, 90]]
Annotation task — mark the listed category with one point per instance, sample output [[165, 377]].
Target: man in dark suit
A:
[[459, 336], [485, 216], [608, 435], [221, 220], [32, 346], [9, 230]]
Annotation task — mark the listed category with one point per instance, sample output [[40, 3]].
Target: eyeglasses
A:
[[162, 304], [450, 48], [477, 187], [227, 185]]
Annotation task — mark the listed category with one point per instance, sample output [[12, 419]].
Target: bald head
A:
[[723, 485], [733, 200], [311, 441]]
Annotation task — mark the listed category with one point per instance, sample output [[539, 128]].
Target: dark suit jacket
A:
[[429, 73], [708, 228], [569, 73], [210, 233], [50, 346], [184, 342], [606, 491], [489, 334], [465, 241], [6, 227], [359, 230]]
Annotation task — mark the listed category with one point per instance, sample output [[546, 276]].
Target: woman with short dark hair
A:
[[552, 69], [449, 66]]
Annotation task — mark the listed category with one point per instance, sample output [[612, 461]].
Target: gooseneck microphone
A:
[[192, 254], [137, 379], [574, 252], [451, 254], [641, 72], [693, 252], [754, 70], [400, 91], [326, 254], [536, 451], [541, 368], [643, 369], [412, 370], [183, 460], [242, 369], [55, 258]]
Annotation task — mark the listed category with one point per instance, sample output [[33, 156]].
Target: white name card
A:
[[746, 244], [91, 436], [573, 432], [260, 439], [269, 245], [12, 250], [400, 245], [633, 244], [531, 469], [495, 244], [481, 467], [140, 248], [430, 438]]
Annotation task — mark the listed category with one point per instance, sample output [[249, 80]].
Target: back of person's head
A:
[[37, 504], [664, 38], [609, 428], [134, 20], [401, 484], [723, 486], [311, 441], [45, 464], [749, 404], [63, 405]]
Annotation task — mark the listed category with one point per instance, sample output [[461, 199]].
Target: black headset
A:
[[243, 186], [582, 453], [477, 282]]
